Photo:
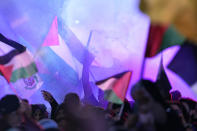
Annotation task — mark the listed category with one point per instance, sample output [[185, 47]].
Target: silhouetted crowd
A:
[[154, 109]]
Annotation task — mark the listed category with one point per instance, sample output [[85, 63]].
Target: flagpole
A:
[[143, 67], [89, 39], [144, 56], [87, 89], [14, 90], [121, 111]]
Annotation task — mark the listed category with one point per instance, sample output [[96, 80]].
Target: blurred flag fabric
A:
[[26, 87], [15, 61], [28, 23], [181, 13], [161, 37], [184, 63], [163, 81], [74, 44], [18, 67], [63, 42], [30, 20], [88, 93], [115, 87], [63, 57]]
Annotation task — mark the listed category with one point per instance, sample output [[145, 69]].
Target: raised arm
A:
[[54, 105]]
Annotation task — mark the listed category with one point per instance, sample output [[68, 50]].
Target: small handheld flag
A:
[[115, 87]]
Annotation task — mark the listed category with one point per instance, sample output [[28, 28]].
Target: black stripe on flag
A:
[[18, 49], [117, 76]]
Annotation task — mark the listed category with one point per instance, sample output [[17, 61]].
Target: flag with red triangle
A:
[[15, 60], [115, 87], [52, 36]]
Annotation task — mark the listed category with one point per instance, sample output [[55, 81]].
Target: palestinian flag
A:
[[161, 37], [115, 87], [15, 61]]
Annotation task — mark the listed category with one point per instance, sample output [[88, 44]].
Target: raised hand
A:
[[47, 96]]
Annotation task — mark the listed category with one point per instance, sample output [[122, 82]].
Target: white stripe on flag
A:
[[108, 84], [22, 60], [26, 87], [4, 48], [63, 52]]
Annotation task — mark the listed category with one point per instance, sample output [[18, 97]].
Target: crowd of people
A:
[[153, 109]]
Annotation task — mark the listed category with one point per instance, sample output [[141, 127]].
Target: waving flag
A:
[[162, 37], [60, 47], [63, 57], [15, 61], [115, 87], [26, 87], [30, 20]]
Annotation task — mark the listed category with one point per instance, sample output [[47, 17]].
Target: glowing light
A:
[[77, 21]]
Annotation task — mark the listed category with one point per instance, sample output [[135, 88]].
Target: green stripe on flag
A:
[[110, 96], [23, 72], [171, 38]]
